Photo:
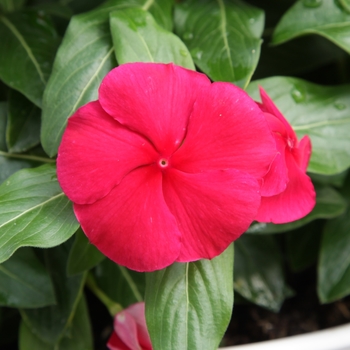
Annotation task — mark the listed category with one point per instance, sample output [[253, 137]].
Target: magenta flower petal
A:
[[115, 343], [156, 100], [96, 153], [227, 130], [133, 225], [212, 209], [295, 202]]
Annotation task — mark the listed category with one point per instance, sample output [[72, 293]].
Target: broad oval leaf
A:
[[51, 323], [30, 43], [83, 255], [138, 38], [188, 306], [322, 112], [329, 204], [259, 275], [23, 123], [24, 282], [329, 19], [120, 284], [34, 211], [223, 37]]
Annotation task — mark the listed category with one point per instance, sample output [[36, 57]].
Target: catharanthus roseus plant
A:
[[166, 166]]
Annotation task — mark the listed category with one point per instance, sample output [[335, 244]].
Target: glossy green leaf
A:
[[120, 284], [30, 43], [83, 59], [189, 305], [329, 19], [322, 112], [3, 122], [259, 275], [51, 323], [223, 37], [138, 38], [23, 123], [24, 282], [78, 336], [329, 204], [11, 5], [34, 211], [83, 255], [334, 261]]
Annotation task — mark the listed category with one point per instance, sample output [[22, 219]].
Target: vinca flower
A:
[[288, 193], [165, 166], [130, 330]]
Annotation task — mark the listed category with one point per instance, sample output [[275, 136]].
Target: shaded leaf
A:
[[138, 38], [3, 122], [322, 112], [78, 337], [51, 323], [223, 37], [34, 211], [188, 306], [336, 180], [83, 255], [11, 5], [30, 42], [259, 275], [23, 123], [329, 204], [24, 282], [120, 284], [329, 19]]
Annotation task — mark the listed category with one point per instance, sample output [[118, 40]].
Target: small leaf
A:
[[329, 204], [51, 322], [34, 211], [188, 306], [138, 38], [329, 19], [83, 255], [24, 282], [223, 37], [120, 284], [322, 112], [259, 275], [78, 338], [23, 124], [30, 42]]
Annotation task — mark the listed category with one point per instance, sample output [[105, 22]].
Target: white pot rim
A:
[[335, 338]]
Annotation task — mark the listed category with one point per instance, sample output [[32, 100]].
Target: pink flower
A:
[[287, 193], [130, 330], [165, 166]]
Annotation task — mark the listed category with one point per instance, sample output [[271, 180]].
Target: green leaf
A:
[[30, 42], [336, 180], [138, 38], [23, 123], [322, 112], [3, 122], [11, 5], [188, 306], [223, 37], [78, 337], [329, 19], [51, 323], [83, 255], [120, 284], [259, 275], [24, 282], [334, 261], [329, 204], [34, 211]]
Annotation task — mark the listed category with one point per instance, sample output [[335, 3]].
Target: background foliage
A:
[[53, 55]]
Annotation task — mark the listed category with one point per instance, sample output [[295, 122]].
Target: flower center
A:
[[163, 163]]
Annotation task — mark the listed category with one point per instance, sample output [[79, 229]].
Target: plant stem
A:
[[27, 157]]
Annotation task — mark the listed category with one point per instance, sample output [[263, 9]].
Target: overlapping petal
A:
[[132, 225], [295, 202], [154, 99], [226, 130], [212, 209], [96, 153]]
